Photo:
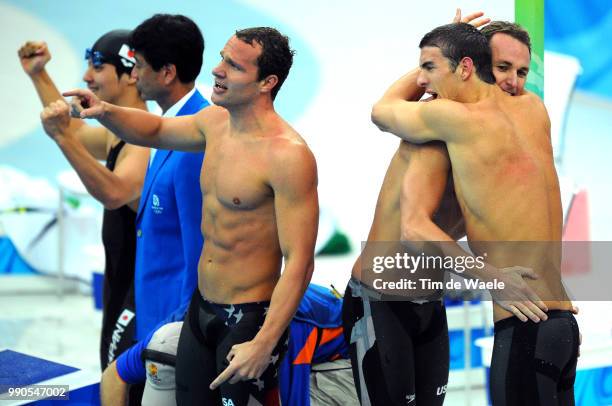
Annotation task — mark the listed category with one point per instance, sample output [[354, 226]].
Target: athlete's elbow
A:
[[308, 273], [113, 200], [304, 267], [411, 238], [111, 204], [378, 116], [409, 233], [412, 228]]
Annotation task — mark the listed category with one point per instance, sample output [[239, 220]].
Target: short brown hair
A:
[[276, 56], [512, 29]]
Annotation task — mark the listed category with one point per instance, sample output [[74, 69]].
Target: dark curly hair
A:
[[276, 57]]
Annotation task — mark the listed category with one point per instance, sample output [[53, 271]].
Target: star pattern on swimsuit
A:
[[238, 316], [259, 383], [274, 359], [230, 310]]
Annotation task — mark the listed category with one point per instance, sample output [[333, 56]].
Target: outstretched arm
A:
[[294, 181], [185, 133]]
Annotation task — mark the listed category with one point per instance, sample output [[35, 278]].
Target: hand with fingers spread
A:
[[472, 19], [85, 104], [34, 56], [517, 297], [247, 361], [56, 119]]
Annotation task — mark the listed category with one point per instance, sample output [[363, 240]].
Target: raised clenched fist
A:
[[33, 56]]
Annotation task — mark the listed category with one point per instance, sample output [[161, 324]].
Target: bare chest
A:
[[234, 175]]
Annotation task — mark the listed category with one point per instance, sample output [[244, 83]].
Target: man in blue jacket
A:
[[168, 50]]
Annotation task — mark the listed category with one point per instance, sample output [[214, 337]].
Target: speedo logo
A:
[[124, 319]]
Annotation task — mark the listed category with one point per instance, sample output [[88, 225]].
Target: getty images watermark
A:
[[410, 264], [554, 270]]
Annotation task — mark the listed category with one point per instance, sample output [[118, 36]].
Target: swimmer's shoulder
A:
[[289, 151], [288, 144], [211, 118], [536, 108], [532, 99], [283, 135], [212, 112]]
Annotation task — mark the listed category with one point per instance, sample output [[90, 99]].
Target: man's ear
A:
[[127, 79], [466, 66], [131, 80], [268, 83], [169, 72]]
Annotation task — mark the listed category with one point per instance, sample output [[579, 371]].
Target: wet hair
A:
[[113, 49], [460, 40], [276, 56], [170, 39], [512, 29]]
